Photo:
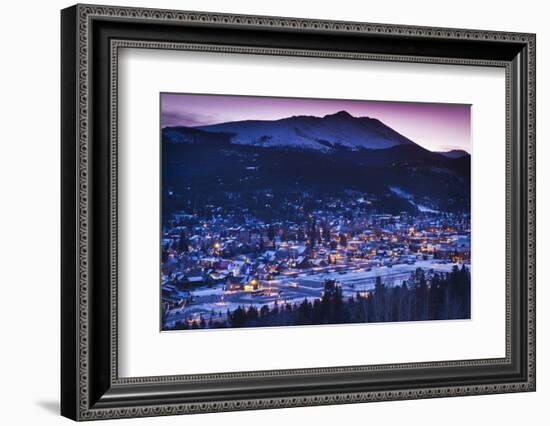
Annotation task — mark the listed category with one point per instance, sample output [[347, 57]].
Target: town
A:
[[219, 259]]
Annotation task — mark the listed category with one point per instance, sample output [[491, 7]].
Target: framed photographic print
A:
[[303, 216], [263, 212]]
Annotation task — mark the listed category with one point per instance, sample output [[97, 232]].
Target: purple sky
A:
[[437, 127]]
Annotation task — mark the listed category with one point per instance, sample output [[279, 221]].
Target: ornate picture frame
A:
[[91, 37]]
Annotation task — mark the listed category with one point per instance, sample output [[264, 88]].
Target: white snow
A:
[[410, 198], [317, 133]]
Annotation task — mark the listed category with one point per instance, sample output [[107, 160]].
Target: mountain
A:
[[454, 153], [333, 131], [325, 155]]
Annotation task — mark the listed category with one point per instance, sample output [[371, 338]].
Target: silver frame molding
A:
[[91, 387]]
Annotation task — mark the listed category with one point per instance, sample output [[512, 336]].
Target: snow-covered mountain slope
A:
[[339, 130]]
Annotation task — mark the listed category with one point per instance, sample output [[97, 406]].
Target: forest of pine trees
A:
[[445, 296]]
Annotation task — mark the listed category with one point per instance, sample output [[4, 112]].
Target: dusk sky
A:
[[437, 127]]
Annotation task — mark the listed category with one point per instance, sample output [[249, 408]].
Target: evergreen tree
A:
[[421, 294], [465, 293], [271, 233], [379, 300], [316, 314], [312, 234], [164, 254], [406, 303], [264, 311], [396, 302], [183, 244], [326, 232], [304, 313], [238, 317], [252, 314], [436, 303], [343, 240]]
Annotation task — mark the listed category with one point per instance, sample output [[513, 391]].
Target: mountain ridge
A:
[[311, 154], [454, 153], [327, 133]]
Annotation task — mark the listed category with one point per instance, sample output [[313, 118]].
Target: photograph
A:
[[282, 211]]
